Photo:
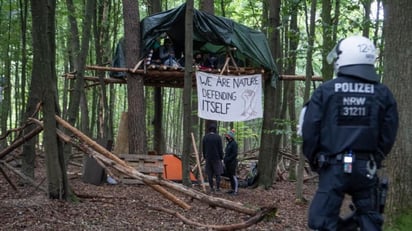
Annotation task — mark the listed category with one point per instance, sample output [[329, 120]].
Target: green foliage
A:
[[401, 223], [247, 131]]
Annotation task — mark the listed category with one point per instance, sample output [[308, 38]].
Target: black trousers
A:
[[230, 171], [333, 185]]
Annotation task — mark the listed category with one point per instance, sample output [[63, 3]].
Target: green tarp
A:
[[210, 33]]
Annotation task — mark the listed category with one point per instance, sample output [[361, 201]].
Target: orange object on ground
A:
[[172, 169]]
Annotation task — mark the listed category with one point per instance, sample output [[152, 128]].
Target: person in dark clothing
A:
[[167, 53], [349, 127], [230, 161], [213, 154]]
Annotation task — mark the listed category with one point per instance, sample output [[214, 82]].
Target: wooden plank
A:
[[131, 181], [146, 164], [137, 157], [148, 169]]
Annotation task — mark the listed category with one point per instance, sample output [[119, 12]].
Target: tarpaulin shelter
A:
[[210, 33]]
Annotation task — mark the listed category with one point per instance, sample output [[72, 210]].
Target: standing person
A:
[[213, 154], [230, 161], [349, 127]]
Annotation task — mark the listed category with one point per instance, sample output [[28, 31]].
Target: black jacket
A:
[[212, 147], [350, 113], [231, 153]]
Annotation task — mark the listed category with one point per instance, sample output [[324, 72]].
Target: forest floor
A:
[[133, 206]]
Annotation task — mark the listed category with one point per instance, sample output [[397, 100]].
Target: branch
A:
[[112, 160], [243, 225], [28, 179]]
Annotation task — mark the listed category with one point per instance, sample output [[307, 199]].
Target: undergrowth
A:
[[401, 223]]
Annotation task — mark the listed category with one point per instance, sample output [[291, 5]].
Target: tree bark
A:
[[327, 38], [159, 144], [398, 69], [135, 83], [269, 144], [43, 14], [101, 35], [187, 95]]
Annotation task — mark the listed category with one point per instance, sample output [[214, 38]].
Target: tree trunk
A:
[[269, 140], [293, 41], [43, 14], [159, 144], [327, 38], [23, 16], [135, 86], [6, 85], [397, 66], [101, 35], [79, 52], [187, 95]]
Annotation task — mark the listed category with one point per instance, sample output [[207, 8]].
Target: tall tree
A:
[[23, 18], [45, 78], [159, 144], [135, 84], [101, 41], [397, 72], [293, 41], [6, 79], [187, 94], [206, 6], [79, 50], [327, 37], [269, 143]]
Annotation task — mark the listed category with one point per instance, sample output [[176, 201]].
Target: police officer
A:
[[349, 127]]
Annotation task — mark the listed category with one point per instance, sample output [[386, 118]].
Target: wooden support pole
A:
[[198, 164], [225, 66], [137, 65]]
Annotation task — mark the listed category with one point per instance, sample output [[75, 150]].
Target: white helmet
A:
[[352, 51]]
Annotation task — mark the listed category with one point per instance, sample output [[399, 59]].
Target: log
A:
[[20, 141], [121, 166], [238, 226], [93, 144], [28, 179], [8, 179]]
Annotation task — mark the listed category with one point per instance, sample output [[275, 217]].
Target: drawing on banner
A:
[[248, 96], [229, 98]]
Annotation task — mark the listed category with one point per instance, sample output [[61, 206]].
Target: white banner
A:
[[229, 98]]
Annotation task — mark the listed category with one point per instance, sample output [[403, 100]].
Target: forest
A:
[[78, 80]]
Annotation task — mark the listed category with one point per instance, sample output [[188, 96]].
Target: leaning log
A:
[[20, 141], [120, 165]]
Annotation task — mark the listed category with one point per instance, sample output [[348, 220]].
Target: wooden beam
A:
[[299, 77]]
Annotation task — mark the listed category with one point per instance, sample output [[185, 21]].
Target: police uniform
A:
[[352, 116]]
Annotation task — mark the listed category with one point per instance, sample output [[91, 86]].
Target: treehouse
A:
[[228, 47]]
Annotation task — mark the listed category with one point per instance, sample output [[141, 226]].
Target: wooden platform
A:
[[147, 164]]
